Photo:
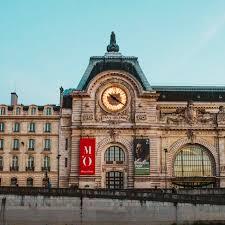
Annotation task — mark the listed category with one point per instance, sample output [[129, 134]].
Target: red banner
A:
[[87, 156]]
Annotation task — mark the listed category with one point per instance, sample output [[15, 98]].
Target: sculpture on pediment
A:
[[190, 115], [221, 115]]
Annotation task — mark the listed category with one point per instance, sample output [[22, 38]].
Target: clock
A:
[[114, 99]]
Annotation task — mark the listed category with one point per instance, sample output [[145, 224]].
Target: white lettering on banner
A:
[[87, 150], [85, 159]]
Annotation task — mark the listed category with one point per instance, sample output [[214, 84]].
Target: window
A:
[[66, 162], [30, 163], [29, 182], [15, 164], [114, 153], [14, 182], [33, 111], [2, 111], [2, 127], [16, 127], [1, 144], [193, 161], [66, 144], [32, 127], [1, 163], [114, 180], [47, 144], [31, 144], [18, 111], [48, 111], [16, 144], [48, 127], [46, 163]]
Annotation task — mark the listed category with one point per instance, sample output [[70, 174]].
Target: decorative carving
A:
[[113, 133], [222, 168], [189, 115], [221, 115], [190, 135], [87, 117], [141, 117]]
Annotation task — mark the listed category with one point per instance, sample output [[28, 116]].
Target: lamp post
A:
[[58, 158], [165, 150]]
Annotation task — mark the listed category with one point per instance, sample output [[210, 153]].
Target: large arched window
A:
[[193, 161], [114, 154]]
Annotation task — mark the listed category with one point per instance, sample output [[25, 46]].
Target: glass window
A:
[[114, 180], [32, 127], [33, 111], [2, 111], [1, 163], [18, 111], [16, 144], [14, 182], [66, 144], [48, 127], [16, 127], [31, 144], [2, 127], [1, 144], [48, 111], [46, 163], [114, 153], [47, 144], [193, 161], [30, 162], [29, 182], [66, 162]]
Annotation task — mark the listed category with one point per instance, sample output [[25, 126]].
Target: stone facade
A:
[[184, 126], [32, 126]]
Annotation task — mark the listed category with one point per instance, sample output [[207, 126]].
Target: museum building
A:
[[117, 131]]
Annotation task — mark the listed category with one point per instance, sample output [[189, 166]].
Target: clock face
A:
[[114, 98]]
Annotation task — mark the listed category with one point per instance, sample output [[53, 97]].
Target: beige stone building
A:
[[115, 130], [142, 136], [28, 144]]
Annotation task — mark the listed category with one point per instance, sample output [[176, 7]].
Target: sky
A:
[[45, 44]]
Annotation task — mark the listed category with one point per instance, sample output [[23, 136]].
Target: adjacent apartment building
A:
[[115, 130]]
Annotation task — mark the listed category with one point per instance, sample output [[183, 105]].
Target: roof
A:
[[195, 93]]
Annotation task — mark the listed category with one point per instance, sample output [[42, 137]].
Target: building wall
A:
[[23, 153]]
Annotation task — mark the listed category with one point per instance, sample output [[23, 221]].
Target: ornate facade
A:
[[118, 131]]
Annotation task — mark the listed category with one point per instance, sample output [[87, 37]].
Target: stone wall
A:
[[38, 210]]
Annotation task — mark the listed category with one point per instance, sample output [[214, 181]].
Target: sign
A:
[[87, 156], [141, 157]]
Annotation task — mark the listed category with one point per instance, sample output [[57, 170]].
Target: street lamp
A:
[[165, 150]]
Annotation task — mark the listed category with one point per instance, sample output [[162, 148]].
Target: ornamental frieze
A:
[[188, 115], [86, 117]]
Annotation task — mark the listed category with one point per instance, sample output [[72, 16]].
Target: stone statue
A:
[[113, 47]]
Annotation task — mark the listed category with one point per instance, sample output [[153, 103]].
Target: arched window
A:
[[29, 182], [193, 161], [14, 181], [114, 153]]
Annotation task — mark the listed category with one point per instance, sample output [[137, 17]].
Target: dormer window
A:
[[18, 111], [49, 111], [33, 111], [2, 111]]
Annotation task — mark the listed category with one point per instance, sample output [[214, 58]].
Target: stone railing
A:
[[195, 196]]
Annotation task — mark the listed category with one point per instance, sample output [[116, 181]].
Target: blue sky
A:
[[45, 44]]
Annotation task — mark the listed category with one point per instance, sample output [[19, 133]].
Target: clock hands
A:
[[116, 99]]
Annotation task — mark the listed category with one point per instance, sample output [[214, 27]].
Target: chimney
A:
[[14, 98]]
